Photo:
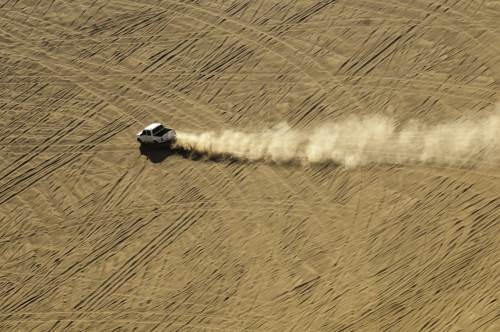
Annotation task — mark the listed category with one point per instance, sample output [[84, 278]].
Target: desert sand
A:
[[98, 234]]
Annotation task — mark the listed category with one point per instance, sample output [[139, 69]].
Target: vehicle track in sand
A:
[[99, 235]]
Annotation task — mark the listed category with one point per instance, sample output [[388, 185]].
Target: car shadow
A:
[[156, 153]]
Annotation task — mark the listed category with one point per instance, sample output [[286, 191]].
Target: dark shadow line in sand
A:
[[157, 153]]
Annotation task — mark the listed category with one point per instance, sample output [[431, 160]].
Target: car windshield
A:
[[159, 131]]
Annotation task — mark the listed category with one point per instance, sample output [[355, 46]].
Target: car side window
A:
[[143, 133], [148, 133]]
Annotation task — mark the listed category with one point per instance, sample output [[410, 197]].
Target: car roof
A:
[[152, 126]]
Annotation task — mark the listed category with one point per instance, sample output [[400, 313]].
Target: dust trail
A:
[[359, 141]]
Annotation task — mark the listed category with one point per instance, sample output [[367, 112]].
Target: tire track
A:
[[18, 184]]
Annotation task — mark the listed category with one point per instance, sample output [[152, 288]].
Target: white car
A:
[[156, 133]]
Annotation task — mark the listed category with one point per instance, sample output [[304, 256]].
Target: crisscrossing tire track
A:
[[100, 234]]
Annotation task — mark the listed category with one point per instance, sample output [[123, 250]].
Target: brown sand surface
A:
[[97, 235]]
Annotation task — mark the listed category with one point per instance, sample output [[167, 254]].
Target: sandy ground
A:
[[98, 235]]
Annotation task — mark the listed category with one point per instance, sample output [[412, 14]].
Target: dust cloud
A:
[[358, 141]]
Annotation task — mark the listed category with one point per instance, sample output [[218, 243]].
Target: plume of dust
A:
[[358, 141]]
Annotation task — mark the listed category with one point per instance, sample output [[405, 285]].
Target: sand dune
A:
[[375, 208]]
